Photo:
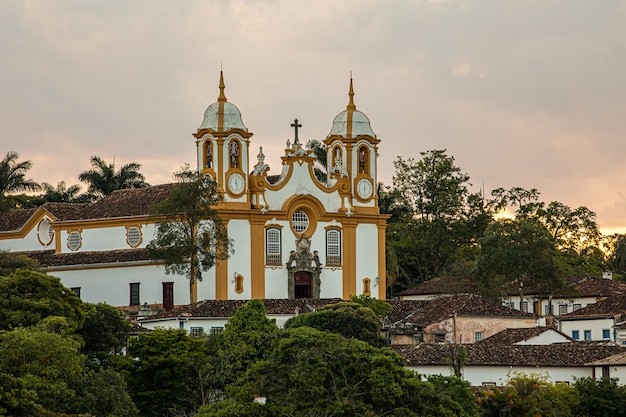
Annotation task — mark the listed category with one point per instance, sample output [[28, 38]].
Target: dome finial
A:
[[222, 97], [351, 105]]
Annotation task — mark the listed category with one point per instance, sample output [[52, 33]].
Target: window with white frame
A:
[[196, 331], [299, 221], [562, 309], [525, 306], [217, 329], [273, 246], [333, 247], [478, 336], [587, 334]]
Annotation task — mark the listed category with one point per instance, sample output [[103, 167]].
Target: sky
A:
[[528, 93]]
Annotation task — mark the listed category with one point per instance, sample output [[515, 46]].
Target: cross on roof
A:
[[296, 125]]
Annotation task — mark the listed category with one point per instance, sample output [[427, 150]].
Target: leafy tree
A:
[[62, 193], [319, 152], [11, 262], [190, 235], [451, 389], [12, 180], [320, 373], [103, 179], [160, 380], [104, 331], [29, 296], [600, 397], [520, 249], [379, 307], [615, 248], [350, 320], [248, 337]]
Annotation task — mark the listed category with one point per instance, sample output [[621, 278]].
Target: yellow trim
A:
[[239, 283], [349, 258], [138, 226], [382, 261], [80, 236], [257, 257], [221, 275], [49, 242], [367, 288]]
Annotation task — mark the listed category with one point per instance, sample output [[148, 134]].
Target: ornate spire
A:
[[351, 105], [222, 97]]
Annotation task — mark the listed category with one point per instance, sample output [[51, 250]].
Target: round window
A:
[[299, 221]]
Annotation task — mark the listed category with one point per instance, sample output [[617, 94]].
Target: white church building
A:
[[294, 236]]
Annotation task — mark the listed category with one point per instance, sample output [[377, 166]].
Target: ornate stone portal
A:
[[304, 270]]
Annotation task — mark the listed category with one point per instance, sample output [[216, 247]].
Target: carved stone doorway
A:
[[302, 284]]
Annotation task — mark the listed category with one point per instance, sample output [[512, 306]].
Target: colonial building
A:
[[295, 236]]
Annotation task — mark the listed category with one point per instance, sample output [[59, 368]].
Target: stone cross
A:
[[296, 125]]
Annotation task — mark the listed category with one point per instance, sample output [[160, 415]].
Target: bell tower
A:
[[223, 143]]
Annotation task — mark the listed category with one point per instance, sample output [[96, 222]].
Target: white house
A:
[[600, 321]]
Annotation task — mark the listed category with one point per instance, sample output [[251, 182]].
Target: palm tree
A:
[[62, 193], [103, 179], [12, 180], [319, 152]]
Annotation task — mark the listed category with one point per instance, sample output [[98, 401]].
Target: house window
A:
[[587, 334], [576, 307], [509, 304], [216, 330], [45, 232], [196, 331], [562, 309], [133, 236], [168, 295], [548, 310], [576, 334], [333, 247], [134, 293], [74, 240], [299, 221], [623, 342], [525, 306], [606, 334], [76, 291], [478, 336], [273, 248]]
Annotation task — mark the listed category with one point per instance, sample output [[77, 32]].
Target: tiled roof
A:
[[13, 220], [127, 203], [49, 259], [617, 359], [425, 312], [437, 286], [557, 354], [611, 306], [512, 336], [226, 308], [66, 211]]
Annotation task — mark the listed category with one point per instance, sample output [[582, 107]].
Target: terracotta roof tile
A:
[[438, 286], [13, 220], [127, 203], [49, 259], [512, 336], [557, 354], [611, 306]]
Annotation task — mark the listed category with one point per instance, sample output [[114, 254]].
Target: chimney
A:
[[607, 275]]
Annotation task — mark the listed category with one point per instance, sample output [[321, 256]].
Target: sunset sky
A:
[[522, 93]]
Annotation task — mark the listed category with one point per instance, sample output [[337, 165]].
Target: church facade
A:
[[295, 235]]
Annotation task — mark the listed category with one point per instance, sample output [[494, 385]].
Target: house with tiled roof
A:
[[210, 316], [540, 335], [599, 321], [294, 236], [492, 364], [577, 292], [454, 319]]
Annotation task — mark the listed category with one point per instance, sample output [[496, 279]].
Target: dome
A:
[[222, 115], [232, 117], [351, 123]]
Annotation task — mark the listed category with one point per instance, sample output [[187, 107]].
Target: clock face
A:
[[236, 183], [364, 188]]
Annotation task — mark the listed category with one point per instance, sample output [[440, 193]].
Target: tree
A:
[[520, 249], [11, 262], [190, 236], [350, 320], [12, 180], [104, 331], [103, 179], [161, 376], [62, 193], [29, 296], [316, 373], [601, 397]]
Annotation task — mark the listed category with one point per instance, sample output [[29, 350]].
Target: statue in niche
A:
[[362, 160], [234, 153], [209, 155], [303, 260]]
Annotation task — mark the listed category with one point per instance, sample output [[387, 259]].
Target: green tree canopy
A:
[[349, 319], [103, 179], [62, 193], [13, 180], [190, 235], [520, 249], [29, 296], [104, 331]]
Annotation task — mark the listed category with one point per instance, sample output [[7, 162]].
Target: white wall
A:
[[367, 257], [594, 325]]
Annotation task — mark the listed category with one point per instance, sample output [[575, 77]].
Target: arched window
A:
[[273, 246], [208, 154], [234, 153], [364, 160], [333, 247]]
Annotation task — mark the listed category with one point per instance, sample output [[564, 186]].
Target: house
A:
[[454, 319], [294, 235], [600, 321], [492, 364], [577, 292], [540, 335], [210, 316]]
